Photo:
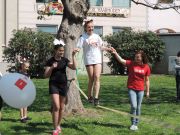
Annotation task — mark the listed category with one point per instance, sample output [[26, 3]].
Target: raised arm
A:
[[73, 65], [119, 58]]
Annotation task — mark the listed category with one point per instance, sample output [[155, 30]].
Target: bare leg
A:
[[89, 69], [97, 74], [56, 108], [25, 112], [21, 113], [62, 104]]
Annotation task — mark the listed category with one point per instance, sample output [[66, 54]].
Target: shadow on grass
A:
[[74, 126], [79, 126], [33, 128], [112, 125], [42, 101], [9, 120]]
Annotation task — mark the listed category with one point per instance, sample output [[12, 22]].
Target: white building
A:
[[109, 16], [164, 19]]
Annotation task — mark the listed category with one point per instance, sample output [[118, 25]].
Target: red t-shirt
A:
[[137, 75]]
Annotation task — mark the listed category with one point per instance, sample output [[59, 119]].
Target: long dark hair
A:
[[143, 55], [56, 47]]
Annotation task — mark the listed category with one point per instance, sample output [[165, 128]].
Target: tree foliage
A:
[[128, 41], [32, 45]]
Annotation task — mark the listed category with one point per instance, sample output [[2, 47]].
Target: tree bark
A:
[[75, 11]]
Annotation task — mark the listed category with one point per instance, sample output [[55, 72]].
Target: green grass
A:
[[160, 113]]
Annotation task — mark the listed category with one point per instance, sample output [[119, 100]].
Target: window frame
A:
[[121, 6], [119, 27], [101, 30], [96, 2], [48, 25], [44, 1], [165, 1]]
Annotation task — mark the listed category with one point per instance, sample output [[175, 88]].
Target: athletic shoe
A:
[[55, 132], [96, 101], [134, 128], [59, 129], [23, 120], [90, 99], [27, 118]]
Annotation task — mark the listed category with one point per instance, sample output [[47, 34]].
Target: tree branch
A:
[[156, 6]]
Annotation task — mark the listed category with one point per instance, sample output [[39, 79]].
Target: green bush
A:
[[128, 41], [36, 46]]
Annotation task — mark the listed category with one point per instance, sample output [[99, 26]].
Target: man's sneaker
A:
[[96, 101], [134, 128], [23, 120], [55, 132], [90, 99]]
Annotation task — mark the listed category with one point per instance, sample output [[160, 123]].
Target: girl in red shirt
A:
[[138, 76]]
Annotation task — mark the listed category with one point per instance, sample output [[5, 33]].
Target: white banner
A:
[[109, 11]]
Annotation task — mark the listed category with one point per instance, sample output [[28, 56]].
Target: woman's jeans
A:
[[178, 86], [1, 103], [136, 98]]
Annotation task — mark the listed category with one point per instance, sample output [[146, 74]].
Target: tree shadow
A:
[[112, 125], [33, 128], [74, 126], [77, 126], [163, 95], [42, 101], [9, 120]]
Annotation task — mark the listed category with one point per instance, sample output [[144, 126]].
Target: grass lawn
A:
[[160, 113]]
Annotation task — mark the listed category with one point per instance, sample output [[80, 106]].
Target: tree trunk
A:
[[75, 11]]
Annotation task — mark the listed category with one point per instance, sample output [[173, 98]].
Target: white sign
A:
[[108, 11]]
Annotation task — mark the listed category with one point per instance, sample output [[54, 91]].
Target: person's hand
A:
[[94, 44], [108, 49], [76, 50], [147, 94], [54, 65], [112, 50]]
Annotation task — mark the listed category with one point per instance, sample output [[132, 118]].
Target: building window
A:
[[165, 1], [47, 28], [96, 2], [116, 29], [98, 30], [121, 3], [45, 1]]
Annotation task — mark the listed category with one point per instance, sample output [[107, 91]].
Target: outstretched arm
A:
[[103, 48], [119, 58]]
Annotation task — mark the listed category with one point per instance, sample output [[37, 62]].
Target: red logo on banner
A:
[[20, 84]]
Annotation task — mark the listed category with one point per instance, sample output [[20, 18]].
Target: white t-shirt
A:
[[91, 48]]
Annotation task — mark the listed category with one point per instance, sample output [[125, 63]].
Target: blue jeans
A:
[[136, 98], [178, 86]]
